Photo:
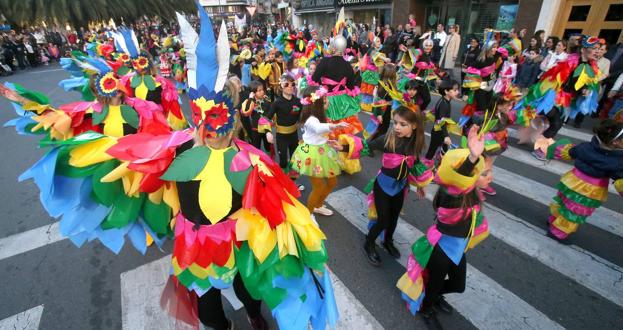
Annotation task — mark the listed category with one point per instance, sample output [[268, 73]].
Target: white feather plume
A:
[[222, 56], [190, 38]]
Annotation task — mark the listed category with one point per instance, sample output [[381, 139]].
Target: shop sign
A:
[[312, 4]]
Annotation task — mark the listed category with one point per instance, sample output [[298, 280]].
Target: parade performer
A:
[[568, 88], [401, 167], [254, 111], [144, 85], [284, 113], [585, 187], [74, 175], [443, 123], [507, 73], [438, 263], [314, 157], [479, 81], [418, 65], [495, 121], [336, 75]]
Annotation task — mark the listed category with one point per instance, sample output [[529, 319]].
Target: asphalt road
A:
[[518, 277]]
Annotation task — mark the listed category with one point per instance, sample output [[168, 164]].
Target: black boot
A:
[[391, 249], [369, 248], [443, 306]]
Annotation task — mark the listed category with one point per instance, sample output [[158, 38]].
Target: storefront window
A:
[[615, 13], [610, 35], [579, 13], [569, 32]]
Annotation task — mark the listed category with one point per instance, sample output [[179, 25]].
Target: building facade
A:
[[603, 18], [225, 9]]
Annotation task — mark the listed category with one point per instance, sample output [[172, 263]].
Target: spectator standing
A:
[[450, 51]]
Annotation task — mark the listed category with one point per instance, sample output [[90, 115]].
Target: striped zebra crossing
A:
[[498, 308]]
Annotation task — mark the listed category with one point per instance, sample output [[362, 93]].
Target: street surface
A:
[[517, 279]]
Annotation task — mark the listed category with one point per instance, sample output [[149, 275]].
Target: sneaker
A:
[[391, 249], [443, 306], [369, 249], [489, 190], [323, 210], [258, 323], [301, 187], [538, 154]]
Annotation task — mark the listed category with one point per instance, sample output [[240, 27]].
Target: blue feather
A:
[[129, 42], [207, 64]]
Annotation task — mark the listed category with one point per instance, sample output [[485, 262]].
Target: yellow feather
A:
[[93, 152]]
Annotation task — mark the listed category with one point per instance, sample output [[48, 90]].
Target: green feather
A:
[[188, 165], [98, 117], [149, 82], [136, 81], [125, 210], [106, 192], [130, 116], [157, 217]]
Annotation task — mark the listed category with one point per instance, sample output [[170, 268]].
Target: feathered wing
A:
[[222, 57], [190, 38], [206, 52]]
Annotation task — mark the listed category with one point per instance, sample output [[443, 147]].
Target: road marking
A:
[[496, 308], [603, 218], [29, 240], [584, 267], [353, 315], [26, 320], [572, 133], [553, 166], [141, 289], [44, 71]]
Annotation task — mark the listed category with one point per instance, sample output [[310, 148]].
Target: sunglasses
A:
[[287, 84]]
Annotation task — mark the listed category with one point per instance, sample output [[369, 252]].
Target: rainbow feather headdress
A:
[[126, 43], [208, 64]]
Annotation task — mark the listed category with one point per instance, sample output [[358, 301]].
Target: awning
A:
[[315, 10]]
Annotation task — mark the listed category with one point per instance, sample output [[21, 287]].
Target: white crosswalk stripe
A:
[[603, 218], [141, 289], [26, 320], [497, 307], [565, 132]]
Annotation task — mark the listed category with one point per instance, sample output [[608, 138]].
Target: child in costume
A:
[[568, 88], [496, 120], [284, 113], [144, 85], [460, 225], [314, 157], [585, 187], [507, 73], [165, 65], [401, 167], [439, 136], [74, 175], [382, 108], [253, 111], [479, 81]]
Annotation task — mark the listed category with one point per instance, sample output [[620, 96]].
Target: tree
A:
[[81, 12]]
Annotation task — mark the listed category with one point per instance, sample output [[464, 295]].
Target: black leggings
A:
[[210, 305], [387, 211], [555, 123], [259, 139], [436, 141], [424, 93], [439, 265], [286, 145]]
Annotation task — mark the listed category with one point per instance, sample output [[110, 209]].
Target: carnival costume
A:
[[442, 250], [585, 187], [77, 177], [143, 85], [567, 89]]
